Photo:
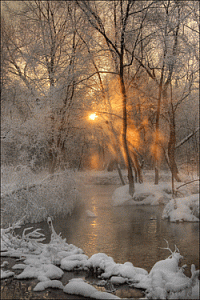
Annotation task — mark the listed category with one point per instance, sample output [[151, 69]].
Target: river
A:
[[127, 233]]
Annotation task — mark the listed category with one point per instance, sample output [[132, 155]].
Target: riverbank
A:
[[126, 233], [51, 264]]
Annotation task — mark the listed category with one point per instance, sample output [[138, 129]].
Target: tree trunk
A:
[[120, 173], [171, 150], [137, 166], [124, 137], [52, 161]]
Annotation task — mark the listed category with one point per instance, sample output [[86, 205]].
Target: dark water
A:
[[127, 233]]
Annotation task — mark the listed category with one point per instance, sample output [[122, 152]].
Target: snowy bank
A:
[[177, 209], [182, 209], [145, 193], [47, 263]]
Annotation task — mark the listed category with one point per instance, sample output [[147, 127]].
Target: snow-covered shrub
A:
[[168, 281], [33, 197], [185, 209]]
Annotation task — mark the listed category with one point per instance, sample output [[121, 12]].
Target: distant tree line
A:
[[133, 63]]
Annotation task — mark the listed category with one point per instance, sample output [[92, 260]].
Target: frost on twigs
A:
[[27, 242], [35, 197]]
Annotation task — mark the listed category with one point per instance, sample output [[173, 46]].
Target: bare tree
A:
[[116, 39]]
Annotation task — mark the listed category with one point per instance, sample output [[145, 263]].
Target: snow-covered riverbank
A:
[[33, 197], [48, 262]]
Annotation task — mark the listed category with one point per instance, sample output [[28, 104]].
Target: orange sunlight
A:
[[93, 116]]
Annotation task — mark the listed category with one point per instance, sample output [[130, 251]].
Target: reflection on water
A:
[[129, 233]]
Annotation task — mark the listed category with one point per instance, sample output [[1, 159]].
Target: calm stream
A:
[[127, 233]]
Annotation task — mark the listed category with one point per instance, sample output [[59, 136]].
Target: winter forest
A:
[[100, 135]]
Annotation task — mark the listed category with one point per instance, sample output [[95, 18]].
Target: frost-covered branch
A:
[[183, 141]]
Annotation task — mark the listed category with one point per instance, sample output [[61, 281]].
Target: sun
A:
[[93, 116]]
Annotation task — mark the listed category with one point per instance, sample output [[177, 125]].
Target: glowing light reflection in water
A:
[[127, 233]]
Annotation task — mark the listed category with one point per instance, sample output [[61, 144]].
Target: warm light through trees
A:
[[132, 64]]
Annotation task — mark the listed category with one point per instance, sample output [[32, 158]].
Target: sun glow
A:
[[92, 116]]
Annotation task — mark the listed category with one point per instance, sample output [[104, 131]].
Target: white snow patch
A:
[[106, 264], [42, 272], [182, 209], [166, 280], [4, 264], [6, 274], [145, 193], [71, 262], [77, 286], [19, 267], [118, 280], [41, 286]]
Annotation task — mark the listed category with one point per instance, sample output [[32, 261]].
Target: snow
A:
[[6, 274], [145, 194], [19, 267], [41, 286], [47, 262], [77, 286], [41, 272], [4, 264], [71, 262], [185, 208], [182, 209], [111, 270], [118, 280]]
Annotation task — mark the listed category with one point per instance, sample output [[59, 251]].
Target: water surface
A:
[[127, 233]]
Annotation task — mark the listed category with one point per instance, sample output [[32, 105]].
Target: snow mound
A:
[[41, 286], [182, 209], [145, 193], [71, 262], [167, 281], [41, 272], [6, 274], [77, 286], [109, 268]]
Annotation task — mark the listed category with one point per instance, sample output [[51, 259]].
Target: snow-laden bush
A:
[[33, 198], [168, 281], [182, 209]]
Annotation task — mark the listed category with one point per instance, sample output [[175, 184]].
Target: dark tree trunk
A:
[[124, 138], [137, 167], [172, 149]]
